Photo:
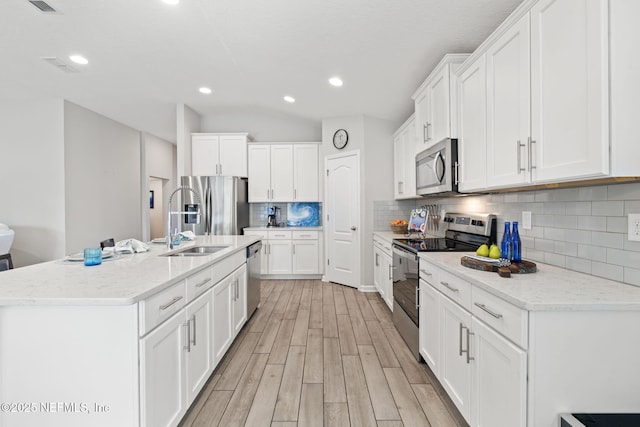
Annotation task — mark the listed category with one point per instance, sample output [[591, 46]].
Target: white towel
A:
[[187, 235], [130, 246]]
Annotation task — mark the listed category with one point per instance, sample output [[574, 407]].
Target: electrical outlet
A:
[[526, 220], [634, 227]]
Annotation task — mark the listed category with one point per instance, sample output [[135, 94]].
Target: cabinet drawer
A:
[[279, 235], [505, 318], [259, 233], [455, 288], [430, 274], [159, 307], [198, 283], [304, 235], [222, 269]]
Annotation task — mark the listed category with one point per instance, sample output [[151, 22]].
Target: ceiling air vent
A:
[[43, 6], [60, 64]]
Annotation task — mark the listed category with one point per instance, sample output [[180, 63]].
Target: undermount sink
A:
[[198, 251]]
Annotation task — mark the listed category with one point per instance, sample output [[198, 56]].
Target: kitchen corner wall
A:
[[582, 229]]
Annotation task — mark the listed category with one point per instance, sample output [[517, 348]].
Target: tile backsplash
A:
[[258, 213], [582, 229]]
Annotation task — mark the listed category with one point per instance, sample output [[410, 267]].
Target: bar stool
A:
[[6, 239], [5, 262]]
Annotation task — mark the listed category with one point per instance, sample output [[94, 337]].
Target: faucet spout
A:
[[171, 213]]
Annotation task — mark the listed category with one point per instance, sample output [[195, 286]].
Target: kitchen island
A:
[[129, 342], [519, 351]]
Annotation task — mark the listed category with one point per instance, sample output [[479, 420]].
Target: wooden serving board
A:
[[522, 267]]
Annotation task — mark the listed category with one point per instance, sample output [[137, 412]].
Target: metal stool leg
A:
[[5, 262]]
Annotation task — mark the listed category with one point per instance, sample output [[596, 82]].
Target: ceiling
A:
[[146, 56]]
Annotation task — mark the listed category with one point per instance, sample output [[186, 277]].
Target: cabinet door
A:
[[264, 257], [279, 256], [508, 104], [305, 256], [200, 361], [569, 89], [439, 107], [259, 159], [377, 268], [240, 299], [398, 167], [305, 173], [429, 317], [472, 141], [409, 156], [163, 372], [282, 173], [386, 279], [204, 155], [233, 155], [422, 108], [455, 369], [222, 307], [499, 378]]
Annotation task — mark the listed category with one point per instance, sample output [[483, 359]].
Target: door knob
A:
[[353, 228]]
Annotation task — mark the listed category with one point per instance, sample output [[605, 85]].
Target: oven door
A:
[[405, 282], [436, 168]]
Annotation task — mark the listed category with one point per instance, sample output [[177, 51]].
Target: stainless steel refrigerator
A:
[[224, 205]]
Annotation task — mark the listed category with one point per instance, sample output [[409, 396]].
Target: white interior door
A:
[[343, 218]]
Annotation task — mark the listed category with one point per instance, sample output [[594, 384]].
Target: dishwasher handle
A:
[[254, 249]]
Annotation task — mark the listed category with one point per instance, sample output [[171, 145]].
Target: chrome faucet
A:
[[178, 212]]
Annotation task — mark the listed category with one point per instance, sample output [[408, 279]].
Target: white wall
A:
[[102, 175], [188, 121], [263, 126], [32, 176], [157, 215]]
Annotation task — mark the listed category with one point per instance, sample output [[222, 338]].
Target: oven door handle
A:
[[405, 253]]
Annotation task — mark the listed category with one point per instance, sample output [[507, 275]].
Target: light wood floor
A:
[[315, 354]]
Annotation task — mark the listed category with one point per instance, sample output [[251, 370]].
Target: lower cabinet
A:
[[279, 260], [429, 314], [305, 256], [239, 302], [222, 307], [289, 252], [382, 270]]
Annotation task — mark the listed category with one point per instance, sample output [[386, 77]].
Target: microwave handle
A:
[[438, 167]]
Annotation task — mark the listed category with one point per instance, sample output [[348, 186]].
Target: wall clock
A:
[[340, 139]]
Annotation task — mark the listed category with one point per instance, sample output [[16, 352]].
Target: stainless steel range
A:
[[464, 233]]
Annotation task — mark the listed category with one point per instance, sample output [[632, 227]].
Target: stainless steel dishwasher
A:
[[253, 281]]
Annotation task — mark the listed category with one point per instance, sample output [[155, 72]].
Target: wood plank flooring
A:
[[320, 354]]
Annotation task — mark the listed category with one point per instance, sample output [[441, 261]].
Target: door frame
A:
[[327, 245]]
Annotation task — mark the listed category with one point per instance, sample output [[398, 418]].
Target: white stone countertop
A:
[[123, 280], [549, 289], [318, 228]]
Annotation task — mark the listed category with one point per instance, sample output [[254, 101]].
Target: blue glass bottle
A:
[[515, 243], [506, 248]]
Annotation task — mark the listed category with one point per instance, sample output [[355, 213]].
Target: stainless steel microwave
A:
[[437, 169]]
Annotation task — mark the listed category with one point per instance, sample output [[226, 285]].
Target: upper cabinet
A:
[[283, 173], [547, 107], [404, 160], [223, 154], [435, 103]]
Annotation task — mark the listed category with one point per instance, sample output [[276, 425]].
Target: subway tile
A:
[[528, 196], [578, 264], [593, 223], [608, 271], [607, 240], [543, 245], [565, 248], [592, 193], [595, 253], [554, 233], [631, 206], [617, 224], [528, 242], [555, 259], [533, 254], [578, 208], [496, 198], [629, 191], [629, 245], [565, 194], [623, 258], [555, 208], [542, 220], [565, 221], [577, 236], [607, 208], [631, 276], [510, 198]]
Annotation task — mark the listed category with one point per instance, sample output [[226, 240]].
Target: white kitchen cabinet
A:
[[200, 362], [404, 160], [305, 173], [569, 89], [223, 294], [280, 257], [163, 383], [455, 369], [306, 256], [239, 301], [283, 172], [287, 252], [472, 132], [219, 154], [435, 103], [499, 379], [382, 269], [429, 318]]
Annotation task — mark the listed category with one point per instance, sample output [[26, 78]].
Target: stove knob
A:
[[480, 223]]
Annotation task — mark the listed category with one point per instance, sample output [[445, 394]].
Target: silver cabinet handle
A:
[[484, 308], [377, 261], [268, 194], [237, 289], [187, 346], [295, 194], [220, 168], [170, 303], [272, 194], [519, 148], [448, 286], [293, 249], [460, 338], [469, 358], [428, 136], [417, 297], [424, 132], [193, 319], [305, 235], [390, 273], [531, 142], [204, 282], [426, 272], [457, 176]]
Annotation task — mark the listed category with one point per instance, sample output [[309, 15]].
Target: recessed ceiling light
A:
[[171, 2], [205, 90], [79, 59], [289, 99], [335, 81]]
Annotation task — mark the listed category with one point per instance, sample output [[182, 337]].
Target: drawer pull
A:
[[305, 235], [448, 286], [204, 282], [484, 308], [170, 303], [426, 272]]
